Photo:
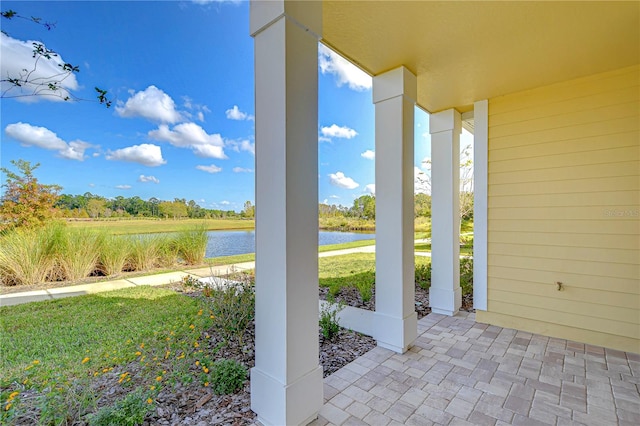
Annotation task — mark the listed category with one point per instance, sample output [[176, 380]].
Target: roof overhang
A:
[[466, 51]]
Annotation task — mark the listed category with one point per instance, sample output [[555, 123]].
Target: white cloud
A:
[[18, 60], [334, 196], [145, 154], [421, 181], [123, 187], [342, 181], [41, 137], [152, 104], [210, 169], [323, 139], [242, 170], [335, 131], [225, 203], [147, 179], [371, 188], [368, 154], [344, 71], [235, 114], [242, 145], [192, 136]]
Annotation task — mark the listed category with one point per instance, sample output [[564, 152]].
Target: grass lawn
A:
[[146, 226], [54, 347], [353, 270]]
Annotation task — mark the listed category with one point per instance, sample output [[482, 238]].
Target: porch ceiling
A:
[[467, 51]]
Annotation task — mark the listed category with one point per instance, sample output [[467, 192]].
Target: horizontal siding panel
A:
[[618, 270], [563, 213], [572, 146], [563, 119], [571, 292], [588, 101], [566, 239], [567, 319], [565, 304], [628, 123], [582, 199], [595, 227], [631, 257], [591, 85], [605, 156], [625, 287], [626, 168], [567, 186]]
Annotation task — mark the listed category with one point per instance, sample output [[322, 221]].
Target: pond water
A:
[[229, 243]]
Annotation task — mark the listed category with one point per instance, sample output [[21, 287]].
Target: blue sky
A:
[[182, 122]]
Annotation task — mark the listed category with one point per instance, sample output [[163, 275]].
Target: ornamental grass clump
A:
[[233, 304], [191, 245], [25, 257], [76, 252], [145, 253], [114, 251], [329, 319]]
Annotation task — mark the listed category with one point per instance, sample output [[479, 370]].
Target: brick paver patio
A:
[[463, 373]]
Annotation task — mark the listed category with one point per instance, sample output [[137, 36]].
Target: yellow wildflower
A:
[[200, 312], [206, 370], [85, 360], [36, 362], [152, 387], [8, 407], [197, 362], [13, 395], [141, 345], [206, 384], [138, 353], [149, 401], [159, 379], [196, 344], [192, 326]]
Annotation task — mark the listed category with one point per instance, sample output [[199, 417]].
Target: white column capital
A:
[[443, 121], [397, 82], [306, 14]]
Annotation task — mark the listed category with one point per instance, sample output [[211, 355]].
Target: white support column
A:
[[286, 382], [480, 200], [395, 322], [445, 294]]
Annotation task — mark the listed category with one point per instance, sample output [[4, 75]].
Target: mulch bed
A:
[[191, 404]]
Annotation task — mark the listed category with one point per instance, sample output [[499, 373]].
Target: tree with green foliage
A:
[[364, 207], [26, 202]]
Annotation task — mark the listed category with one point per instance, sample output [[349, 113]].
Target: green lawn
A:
[[55, 347], [146, 226]]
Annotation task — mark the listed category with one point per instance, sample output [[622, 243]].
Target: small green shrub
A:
[[227, 376], [128, 411], [466, 275], [233, 303], [423, 276], [329, 320]]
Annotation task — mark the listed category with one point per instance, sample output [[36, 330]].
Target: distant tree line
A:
[[93, 206], [364, 207]]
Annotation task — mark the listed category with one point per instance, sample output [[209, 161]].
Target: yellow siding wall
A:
[[564, 205]]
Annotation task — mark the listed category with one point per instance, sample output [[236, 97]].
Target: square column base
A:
[[445, 301], [395, 334], [278, 404]]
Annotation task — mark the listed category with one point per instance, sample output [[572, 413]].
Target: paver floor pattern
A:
[[460, 372]]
